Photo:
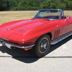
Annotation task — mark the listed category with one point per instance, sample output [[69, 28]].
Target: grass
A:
[[6, 16]]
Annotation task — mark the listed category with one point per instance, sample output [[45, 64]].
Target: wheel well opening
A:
[[49, 35]]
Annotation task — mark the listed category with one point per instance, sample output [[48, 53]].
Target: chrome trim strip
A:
[[61, 38], [11, 45]]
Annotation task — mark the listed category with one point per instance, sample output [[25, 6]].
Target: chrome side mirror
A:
[[67, 17]]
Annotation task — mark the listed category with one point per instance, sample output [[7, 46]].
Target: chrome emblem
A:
[[8, 29], [21, 30]]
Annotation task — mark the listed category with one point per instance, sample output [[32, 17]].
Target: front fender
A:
[[33, 34]]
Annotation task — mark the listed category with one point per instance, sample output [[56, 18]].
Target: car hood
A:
[[12, 31], [23, 25]]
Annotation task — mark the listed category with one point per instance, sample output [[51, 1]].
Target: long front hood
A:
[[15, 29], [23, 25]]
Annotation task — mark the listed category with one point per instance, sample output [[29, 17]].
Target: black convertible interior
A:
[[55, 17], [52, 17]]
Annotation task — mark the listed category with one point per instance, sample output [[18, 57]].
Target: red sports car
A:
[[48, 27]]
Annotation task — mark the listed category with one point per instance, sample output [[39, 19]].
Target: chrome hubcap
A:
[[43, 45]]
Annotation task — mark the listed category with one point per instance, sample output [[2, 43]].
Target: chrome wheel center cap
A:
[[44, 46]]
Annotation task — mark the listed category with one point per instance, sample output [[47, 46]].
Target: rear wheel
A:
[[42, 46]]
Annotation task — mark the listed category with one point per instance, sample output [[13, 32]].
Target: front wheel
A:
[[42, 46]]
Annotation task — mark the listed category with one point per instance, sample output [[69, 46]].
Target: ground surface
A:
[[59, 58]]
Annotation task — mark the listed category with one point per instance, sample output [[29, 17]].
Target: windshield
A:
[[48, 14]]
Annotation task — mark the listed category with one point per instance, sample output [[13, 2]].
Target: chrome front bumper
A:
[[10, 45], [22, 47], [4, 42]]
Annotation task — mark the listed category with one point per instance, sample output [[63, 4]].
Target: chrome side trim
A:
[[61, 38], [22, 47]]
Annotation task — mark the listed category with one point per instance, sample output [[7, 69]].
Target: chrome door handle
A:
[[57, 26]]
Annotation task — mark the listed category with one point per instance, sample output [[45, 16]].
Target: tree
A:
[[53, 5], [62, 6], [47, 4], [34, 4], [70, 5]]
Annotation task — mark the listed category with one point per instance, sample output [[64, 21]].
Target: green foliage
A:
[[70, 4], [53, 5], [62, 6], [46, 4], [34, 4]]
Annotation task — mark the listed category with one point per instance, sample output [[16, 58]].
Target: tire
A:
[[42, 46]]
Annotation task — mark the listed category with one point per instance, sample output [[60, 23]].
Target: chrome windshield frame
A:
[[50, 9]]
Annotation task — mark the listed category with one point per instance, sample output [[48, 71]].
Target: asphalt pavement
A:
[[59, 59]]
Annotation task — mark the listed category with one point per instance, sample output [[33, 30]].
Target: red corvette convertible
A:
[[48, 27]]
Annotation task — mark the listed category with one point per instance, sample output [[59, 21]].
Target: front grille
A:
[[1, 40]]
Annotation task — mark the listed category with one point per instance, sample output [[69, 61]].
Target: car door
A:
[[62, 26], [58, 25], [67, 25]]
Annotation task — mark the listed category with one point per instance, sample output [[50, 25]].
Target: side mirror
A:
[[67, 17]]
